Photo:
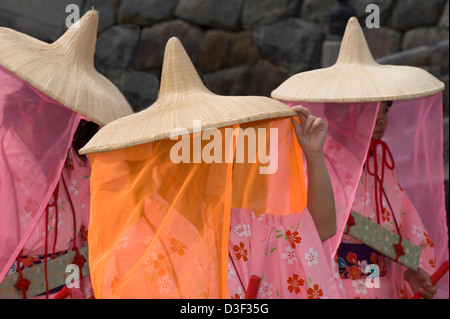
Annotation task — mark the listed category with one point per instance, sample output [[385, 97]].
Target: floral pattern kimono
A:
[[55, 228], [353, 259], [284, 251]]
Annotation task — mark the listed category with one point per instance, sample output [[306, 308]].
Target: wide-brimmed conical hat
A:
[[356, 77], [64, 70], [182, 100]]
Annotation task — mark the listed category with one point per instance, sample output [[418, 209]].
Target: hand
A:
[[419, 278], [311, 131]]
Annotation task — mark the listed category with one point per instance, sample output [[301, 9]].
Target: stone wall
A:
[[240, 47]]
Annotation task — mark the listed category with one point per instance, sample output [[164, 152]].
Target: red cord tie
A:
[[23, 284], [79, 260], [385, 154], [400, 251], [350, 222]]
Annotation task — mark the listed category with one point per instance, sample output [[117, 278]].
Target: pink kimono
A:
[[284, 251], [73, 209], [397, 214], [36, 133]]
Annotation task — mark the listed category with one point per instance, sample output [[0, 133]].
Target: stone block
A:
[[217, 14], [317, 11], [116, 48], [293, 43], [256, 13], [153, 42], [383, 41], [423, 36], [229, 81], [145, 12], [140, 88], [223, 49], [264, 78], [409, 14]]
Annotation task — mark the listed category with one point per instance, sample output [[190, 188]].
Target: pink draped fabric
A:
[[284, 251], [415, 137], [35, 135], [350, 127], [410, 226]]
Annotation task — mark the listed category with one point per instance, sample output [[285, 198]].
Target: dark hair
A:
[[85, 131]]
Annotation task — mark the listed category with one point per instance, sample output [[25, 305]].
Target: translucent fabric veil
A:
[[35, 134], [350, 127], [415, 138], [159, 227]]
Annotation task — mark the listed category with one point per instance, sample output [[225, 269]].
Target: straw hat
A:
[[182, 99], [356, 77], [64, 70]]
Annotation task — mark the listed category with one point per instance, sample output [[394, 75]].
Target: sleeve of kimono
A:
[[414, 230]]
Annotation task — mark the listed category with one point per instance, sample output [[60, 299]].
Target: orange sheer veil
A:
[[161, 203]]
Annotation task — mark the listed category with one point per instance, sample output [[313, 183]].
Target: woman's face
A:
[[382, 120]]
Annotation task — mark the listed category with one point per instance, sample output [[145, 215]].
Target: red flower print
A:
[[295, 283], [428, 240], [241, 252], [373, 258], [351, 257], [177, 246], [385, 215], [27, 261], [293, 238], [315, 293], [160, 264], [353, 272], [432, 263], [236, 296]]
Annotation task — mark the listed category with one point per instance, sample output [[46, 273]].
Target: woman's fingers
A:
[[302, 112]]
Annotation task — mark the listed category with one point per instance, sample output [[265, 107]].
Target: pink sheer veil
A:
[[415, 137], [350, 127], [35, 135]]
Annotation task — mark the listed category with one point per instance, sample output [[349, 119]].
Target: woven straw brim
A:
[[64, 70], [364, 83], [182, 100], [356, 77]]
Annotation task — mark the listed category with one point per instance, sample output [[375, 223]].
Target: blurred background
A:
[[242, 47]]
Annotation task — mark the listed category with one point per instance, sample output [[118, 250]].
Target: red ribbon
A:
[[79, 260], [399, 249], [23, 284], [252, 288], [350, 222], [385, 153]]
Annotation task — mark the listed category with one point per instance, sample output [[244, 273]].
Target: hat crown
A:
[[179, 76], [79, 41], [354, 48]]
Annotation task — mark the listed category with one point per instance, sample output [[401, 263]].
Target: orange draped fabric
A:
[[160, 229]]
